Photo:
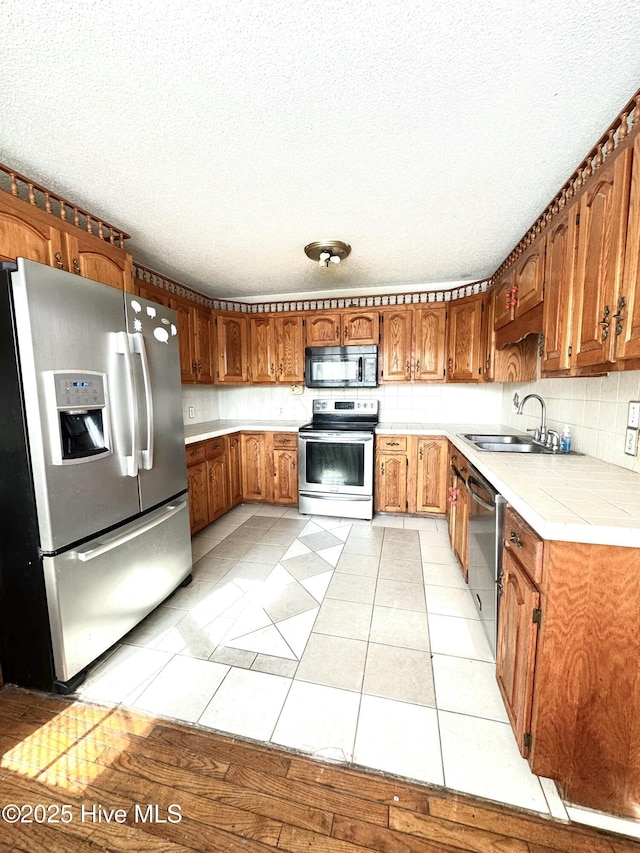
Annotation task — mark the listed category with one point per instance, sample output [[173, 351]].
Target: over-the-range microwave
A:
[[341, 367]]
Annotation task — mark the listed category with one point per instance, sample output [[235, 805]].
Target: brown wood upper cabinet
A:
[[231, 348], [413, 343], [341, 328], [601, 244], [276, 350], [627, 316], [519, 294], [465, 350], [562, 244], [195, 339], [28, 232]]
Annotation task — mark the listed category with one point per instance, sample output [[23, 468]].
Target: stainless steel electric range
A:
[[335, 467]]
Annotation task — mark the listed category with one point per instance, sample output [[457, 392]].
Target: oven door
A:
[[338, 463]]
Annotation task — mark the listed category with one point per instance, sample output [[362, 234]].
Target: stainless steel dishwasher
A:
[[486, 514]]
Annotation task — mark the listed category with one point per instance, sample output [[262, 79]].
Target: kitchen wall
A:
[[398, 403], [595, 408]]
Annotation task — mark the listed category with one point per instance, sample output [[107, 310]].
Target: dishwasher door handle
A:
[[476, 497]]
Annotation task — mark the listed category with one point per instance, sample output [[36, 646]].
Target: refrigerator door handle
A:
[[124, 348], [146, 455], [90, 554]]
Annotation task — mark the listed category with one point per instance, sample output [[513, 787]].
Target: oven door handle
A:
[[476, 496], [345, 437]]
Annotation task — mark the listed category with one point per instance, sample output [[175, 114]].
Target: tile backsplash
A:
[[398, 403], [595, 408]]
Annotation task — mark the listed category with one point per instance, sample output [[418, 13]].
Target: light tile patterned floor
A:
[[355, 641]]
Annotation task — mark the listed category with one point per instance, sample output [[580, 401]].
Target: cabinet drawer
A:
[[524, 544], [285, 439], [392, 443], [216, 446], [195, 452]]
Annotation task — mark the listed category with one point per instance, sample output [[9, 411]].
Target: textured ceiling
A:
[[225, 135]]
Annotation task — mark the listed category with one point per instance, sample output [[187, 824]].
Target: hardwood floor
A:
[[177, 788]]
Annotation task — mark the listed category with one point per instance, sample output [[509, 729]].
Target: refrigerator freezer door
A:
[[153, 333], [73, 327], [97, 593]]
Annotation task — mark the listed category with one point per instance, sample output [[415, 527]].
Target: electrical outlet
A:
[[631, 442], [192, 412], [633, 420]]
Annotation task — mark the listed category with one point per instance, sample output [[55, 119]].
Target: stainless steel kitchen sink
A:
[[499, 439], [496, 443], [512, 447]]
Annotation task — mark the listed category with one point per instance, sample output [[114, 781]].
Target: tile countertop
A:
[[571, 498]]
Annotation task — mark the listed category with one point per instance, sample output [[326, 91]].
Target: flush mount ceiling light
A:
[[327, 252]]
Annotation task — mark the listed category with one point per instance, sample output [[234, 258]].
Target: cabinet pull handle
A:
[[408, 368], [420, 454], [417, 366], [211, 475], [273, 368], [394, 444], [382, 467], [59, 263], [194, 367], [76, 266], [281, 370], [515, 539], [199, 367], [619, 316], [604, 323], [337, 333], [346, 333]]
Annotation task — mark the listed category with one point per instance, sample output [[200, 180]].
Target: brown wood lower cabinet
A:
[[212, 477], [410, 474], [568, 651], [270, 467]]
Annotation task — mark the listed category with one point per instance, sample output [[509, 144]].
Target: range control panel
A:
[[358, 407]]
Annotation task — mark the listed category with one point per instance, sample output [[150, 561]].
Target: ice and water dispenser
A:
[[81, 430]]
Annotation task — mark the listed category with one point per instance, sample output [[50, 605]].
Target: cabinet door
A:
[[197, 483], [26, 232], [562, 241], [186, 339], [396, 345], [391, 482], [504, 299], [262, 357], [628, 324], [323, 329], [430, 325], [94, 258], [155, 294], [285, 476], [203, 327], [529, 277], [234, 462], [431, 474], [360, 327], [601, 239], [289, 334], [464, 332], [255, 480], [231, 345], [218, 486], [517, 638]]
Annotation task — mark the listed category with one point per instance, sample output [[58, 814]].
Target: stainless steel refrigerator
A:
[[94, 521]]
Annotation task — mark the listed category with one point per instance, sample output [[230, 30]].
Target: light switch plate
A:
[[192, 412], [633, 419], [631, 442]]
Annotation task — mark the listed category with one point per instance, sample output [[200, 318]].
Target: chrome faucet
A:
[[540, 433]]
